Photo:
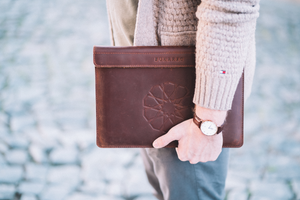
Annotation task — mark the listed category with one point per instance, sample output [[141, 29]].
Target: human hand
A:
[[193, 145]]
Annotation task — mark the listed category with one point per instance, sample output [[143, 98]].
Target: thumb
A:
[[164, 140]]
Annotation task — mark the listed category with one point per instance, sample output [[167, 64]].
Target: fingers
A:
[[196, 160], [173, 134], [197, 155], [181, 155]]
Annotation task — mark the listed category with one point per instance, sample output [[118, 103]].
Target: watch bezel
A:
[[206, 131]]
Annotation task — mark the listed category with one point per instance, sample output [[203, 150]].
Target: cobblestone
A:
[[114, 188], [17, 142], [284, 167], [38, 154], [28, 197], [270, 190], [20, 123], [57, 191], [235, 182], [3, 147], [145, 198], [93, 188], [79, 196], [36, 172], [10, 174], [136, 183], [47, 108], [16, 157], [2, 160], [66, 174], [33, 188], [7, 191], [296, 188], [64, 156], [105, 197], [238, 195]]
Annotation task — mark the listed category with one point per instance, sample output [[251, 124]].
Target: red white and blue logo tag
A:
[[222, 72]]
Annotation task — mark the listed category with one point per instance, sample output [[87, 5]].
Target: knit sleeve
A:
[[224, 34]]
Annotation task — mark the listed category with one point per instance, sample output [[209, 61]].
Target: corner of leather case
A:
[[94, 56], [239, 144], [99, 144]]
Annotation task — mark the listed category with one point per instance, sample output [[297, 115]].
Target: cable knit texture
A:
[[223, 32]]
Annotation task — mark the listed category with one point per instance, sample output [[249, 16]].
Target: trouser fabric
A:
[[173, 179]]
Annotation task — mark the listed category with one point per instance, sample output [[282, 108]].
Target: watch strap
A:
[[197, 120]]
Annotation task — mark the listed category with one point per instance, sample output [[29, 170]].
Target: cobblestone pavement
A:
[[47, 117]]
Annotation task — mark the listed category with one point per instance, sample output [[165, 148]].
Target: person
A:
[[223, 32]]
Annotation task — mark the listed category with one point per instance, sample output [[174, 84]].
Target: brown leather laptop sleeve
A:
[[141, 92]]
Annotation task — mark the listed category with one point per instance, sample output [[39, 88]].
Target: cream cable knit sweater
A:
[[223, 32]]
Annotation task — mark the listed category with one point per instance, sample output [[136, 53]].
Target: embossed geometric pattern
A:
[[165, 105]]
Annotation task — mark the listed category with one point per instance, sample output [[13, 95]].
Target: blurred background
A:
[[47, 108]]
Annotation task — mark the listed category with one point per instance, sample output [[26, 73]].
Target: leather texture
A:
[[141, 92]]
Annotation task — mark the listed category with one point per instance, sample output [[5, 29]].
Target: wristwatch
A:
[[207, 127]]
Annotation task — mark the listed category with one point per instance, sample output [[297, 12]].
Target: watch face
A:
[[208, 128]]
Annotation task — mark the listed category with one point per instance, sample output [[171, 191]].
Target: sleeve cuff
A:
[[215, 91]]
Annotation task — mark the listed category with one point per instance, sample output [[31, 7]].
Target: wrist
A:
[[216, 116]]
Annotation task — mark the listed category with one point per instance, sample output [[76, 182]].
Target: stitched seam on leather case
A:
[[129, 146], [148, 66], [124, 66], [145, 53], [94, 59]]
